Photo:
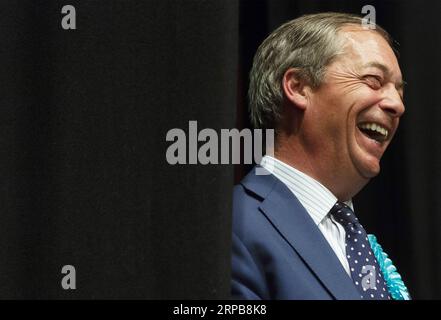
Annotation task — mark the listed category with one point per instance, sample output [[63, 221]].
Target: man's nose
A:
[[392, 102]]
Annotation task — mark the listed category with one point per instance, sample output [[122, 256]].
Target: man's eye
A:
[[373, 81]]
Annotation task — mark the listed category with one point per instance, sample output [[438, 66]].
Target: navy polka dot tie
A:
[[364, 268]]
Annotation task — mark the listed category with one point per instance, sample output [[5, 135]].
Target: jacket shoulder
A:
[[248, 195]]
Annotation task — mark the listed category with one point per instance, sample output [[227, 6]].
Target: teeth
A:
[[375, 127]]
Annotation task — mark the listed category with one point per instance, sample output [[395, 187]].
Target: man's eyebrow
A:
[[399, 85], [378, 65]]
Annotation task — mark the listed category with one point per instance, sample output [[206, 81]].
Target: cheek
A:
[[336, 109], [331, 131], [334, 116]]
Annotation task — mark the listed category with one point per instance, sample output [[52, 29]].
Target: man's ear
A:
[[295, 88]]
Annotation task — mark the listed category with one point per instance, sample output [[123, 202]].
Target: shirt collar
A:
[[315, 197]]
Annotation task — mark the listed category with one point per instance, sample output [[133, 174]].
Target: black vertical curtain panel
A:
[[401, 206], [84, 116], [84, 179]]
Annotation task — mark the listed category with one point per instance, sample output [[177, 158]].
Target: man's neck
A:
[[296, 156]]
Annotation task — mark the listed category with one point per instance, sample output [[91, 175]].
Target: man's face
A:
[[354, 114]]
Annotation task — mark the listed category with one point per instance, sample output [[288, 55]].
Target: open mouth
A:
[[374, 131]]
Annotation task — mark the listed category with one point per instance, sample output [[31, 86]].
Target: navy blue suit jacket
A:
[[278, 250]]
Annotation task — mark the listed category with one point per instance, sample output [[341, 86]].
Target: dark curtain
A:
[[84, 116], [401, 206], [84, 177]]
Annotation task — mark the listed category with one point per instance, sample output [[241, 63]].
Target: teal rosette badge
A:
[[395, 284]]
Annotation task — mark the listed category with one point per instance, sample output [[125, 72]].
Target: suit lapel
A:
[[296, 226]]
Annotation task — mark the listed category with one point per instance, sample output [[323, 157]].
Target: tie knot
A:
[[343, 214]]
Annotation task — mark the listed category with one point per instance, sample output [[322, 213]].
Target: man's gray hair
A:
[[309, 43]]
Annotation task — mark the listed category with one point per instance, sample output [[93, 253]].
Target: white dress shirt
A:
[[316, 199]]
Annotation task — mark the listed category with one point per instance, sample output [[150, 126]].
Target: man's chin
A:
[[370, 170], [367, 164]]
